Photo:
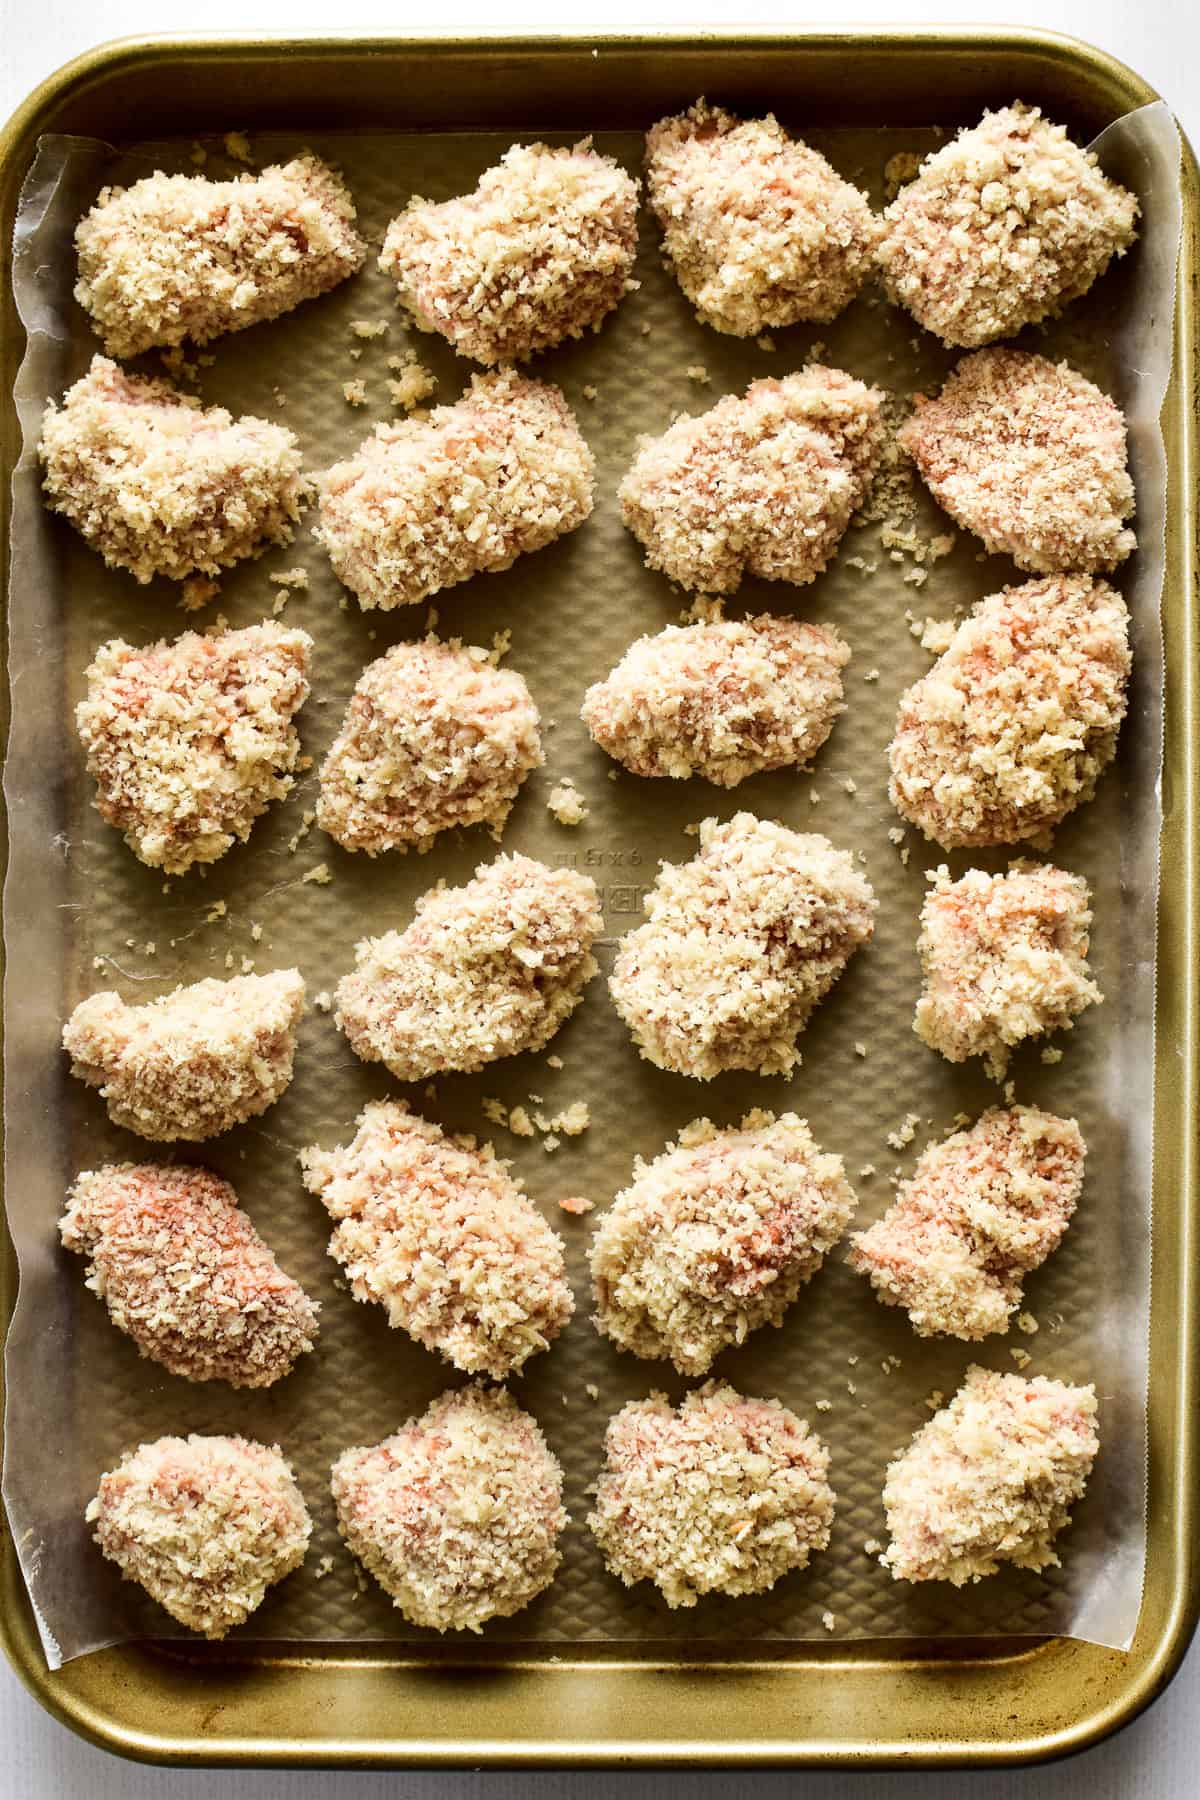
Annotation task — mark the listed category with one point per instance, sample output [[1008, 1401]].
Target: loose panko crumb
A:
[[177, 257], [761, 231], [484, 971], [427, 503], [990, 1479], [574, 1120], [716, 1237], [722, 1494], [457, 1515], [436, 1231], [184, 1273], [434, 738], [205, 1524], [1012, 728], [412, 385], [159, 484], [195, 1062], [981, 1210], [189, 742], [354, 393], [542, 250], [1030, 456], [1004, 959], [566, 803], [739, 947], [764, 483], [577, 1206], [724, 700], [1002, 227]]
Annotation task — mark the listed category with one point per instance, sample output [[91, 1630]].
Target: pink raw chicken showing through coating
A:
[[183, 1271], [1004, 959], [542, 250], [981, 1210], [429, 502], [205, 1524], [1030, 456], [458, 1514], [764, 483], [161, 485], [739, 947], [761, 231], [177, 257], [195, 1062], [189, 742], [1013, 726], [716, 1237], [436, 1230], [1002, 228], [485, 970], [990, 1479], [434, 737], [724, 699], [720, 1495]]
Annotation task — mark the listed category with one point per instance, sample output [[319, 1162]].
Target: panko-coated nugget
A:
[[485, 970], [739, 947], [716, 1237], [436, 1230], [1001, 228], [990, 1479], [189, 742], [542, 250], [1004, 959], [193, 1063], [981, 1209], [434, 737], [457, 1515], [427, 503], [719, 1495], [184, 1273], [161, 485], [205, 1524], [764, 483], [1013, 726], [177, 257], [723, 699], [761, 231], [1031, 456]]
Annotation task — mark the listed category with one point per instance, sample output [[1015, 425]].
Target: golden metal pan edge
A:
[[869, 1705]]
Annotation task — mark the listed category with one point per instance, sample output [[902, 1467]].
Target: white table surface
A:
[[1158, 1758]]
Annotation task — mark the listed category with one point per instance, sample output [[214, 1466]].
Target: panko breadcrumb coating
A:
[[436, 1230], [183, 1271], [542, 250], [1004, 958], [725, 699], [193, 1063], [161, 485], [721, 1494], [426, 503], [177, 257], [1001, 228], [458, 1514], [981, 1209], [1015, 723], [761, 231], [189, 742], [764, 483], [434, 737], [205, 1524], [716, 1237], [739, 947], [990, 1479], [1031, 456], [484, 970]]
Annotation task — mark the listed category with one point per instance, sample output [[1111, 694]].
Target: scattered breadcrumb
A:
[[829, 1621], [520, 1123], [698, 373], [578, 1207], [355, 392], [566, 803], [369, 328], [321, 875], [904, 1134], [197, 592]]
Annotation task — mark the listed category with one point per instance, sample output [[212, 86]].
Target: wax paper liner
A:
[[82, 914]]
